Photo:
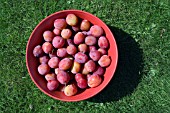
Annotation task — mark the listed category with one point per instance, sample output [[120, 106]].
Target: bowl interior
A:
[[36, 38]]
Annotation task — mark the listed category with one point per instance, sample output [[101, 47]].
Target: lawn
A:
[[142, 79]]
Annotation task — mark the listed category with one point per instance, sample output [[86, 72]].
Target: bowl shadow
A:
[[127, 75]]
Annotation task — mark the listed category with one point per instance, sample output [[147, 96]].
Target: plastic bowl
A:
[[36, 38]]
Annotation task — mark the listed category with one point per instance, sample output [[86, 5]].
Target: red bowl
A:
[[36, 38]]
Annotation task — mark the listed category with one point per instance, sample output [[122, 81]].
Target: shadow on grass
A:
[[127, 75]]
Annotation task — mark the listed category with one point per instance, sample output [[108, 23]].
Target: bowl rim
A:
[[62, 11]]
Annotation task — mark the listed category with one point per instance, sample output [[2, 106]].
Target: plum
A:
[[88, 76], [92, 48], [60, 24], [58, 42], [47, 47], [84, 32], [94, 80], [56, 70], [71, 49], [76, 67], [52, 85], [54, 62], [56, 31], [79, 38], [85, 25], [48, 36], [43, 69], [84, 71], [90, 66], [63, 77], [62, 52], [90, 40], [95, 55], [82, 48], [104, 61], [102, 51], [70, 90], [81, 57], [44, 59], [72, 19], [75, 28], [79, 76], [38, 51], [103, 42], [88, 33], [99, 71], [96, 31], [65, 64], [66, 33], [82, 83], [50, 76]]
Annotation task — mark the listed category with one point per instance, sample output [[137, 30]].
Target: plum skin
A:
[[78, 38], [72, 19], [63, 77], [38, 51], [43, 69], [52, 85], [96, 31], [90, 66], [76, 67], [70, 90], [65, 64], [54, 62], [48, 36], [103, 42], [60, 24], [104, 61], [58, 42], [94, 80], [81, 57]]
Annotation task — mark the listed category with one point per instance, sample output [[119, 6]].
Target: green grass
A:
[[141, 82]]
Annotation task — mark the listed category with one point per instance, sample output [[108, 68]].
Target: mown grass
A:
[[141, 82]]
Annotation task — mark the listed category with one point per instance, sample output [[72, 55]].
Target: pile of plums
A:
[[73, 55]]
